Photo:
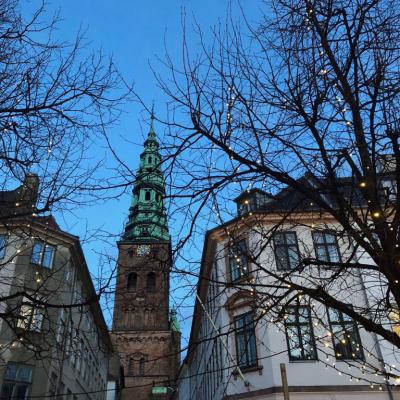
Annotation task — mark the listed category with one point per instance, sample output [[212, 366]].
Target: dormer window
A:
[[251, 200]]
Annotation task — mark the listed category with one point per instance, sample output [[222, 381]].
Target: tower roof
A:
[[147, 215]]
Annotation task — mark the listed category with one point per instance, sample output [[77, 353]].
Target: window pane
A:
[[11, 371], [308, 345], [329, 238], [48, 256], [279, 238], [281, 258], [334, 315], [3, 244], [290, 238], [321, 253], [24, 373], [333, 253], [25, 316], [37, 252], [293, 256], [294, 343], [239, 322], [21, 392], [37, 320], [318, 237], [7, 390], [241, 353], [251, 348], [304, 314]]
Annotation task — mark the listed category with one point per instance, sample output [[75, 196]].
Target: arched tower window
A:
[[151, 282], [130, 367], [141, 366], [132, 282], [150, 159], [147, 195]]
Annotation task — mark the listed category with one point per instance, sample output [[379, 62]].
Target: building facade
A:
[[145, 333], [241, 343], [53, 337]]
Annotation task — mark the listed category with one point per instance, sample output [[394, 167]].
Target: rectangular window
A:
[[326, 247], [246, 350], [3, 245], [17, 379], [238, 262], [345, 336], [299, 334], [42, 254], [30, 316], [286, 250]]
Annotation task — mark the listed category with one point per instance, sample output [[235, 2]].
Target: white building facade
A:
[[240, 341]]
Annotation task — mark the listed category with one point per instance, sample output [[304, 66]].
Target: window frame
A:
[[286, 246], [297, 324], [42, 254], [232, 259], [326, 245], [249, 334], [342, 323]]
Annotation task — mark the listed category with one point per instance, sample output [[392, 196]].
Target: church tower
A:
[[145, 333]]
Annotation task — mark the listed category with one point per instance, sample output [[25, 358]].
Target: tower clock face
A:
[[143, 250]]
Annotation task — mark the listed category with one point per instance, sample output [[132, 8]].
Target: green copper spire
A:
[[147, 216]]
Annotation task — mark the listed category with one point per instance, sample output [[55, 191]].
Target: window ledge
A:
[[241, 280], [303, 361]]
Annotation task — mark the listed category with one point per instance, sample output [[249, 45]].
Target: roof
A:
[[20, 201]]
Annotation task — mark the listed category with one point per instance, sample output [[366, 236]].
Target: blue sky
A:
[[135, 33]]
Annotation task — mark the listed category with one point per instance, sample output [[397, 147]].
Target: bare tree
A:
[[57, 100], [305, 102]]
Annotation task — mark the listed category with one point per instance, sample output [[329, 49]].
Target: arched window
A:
[[150, 160], [141, 366], [130, 367], [151, 282], [132, 282], [147, 195]]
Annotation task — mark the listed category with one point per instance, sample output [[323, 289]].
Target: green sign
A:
[[159, 390]]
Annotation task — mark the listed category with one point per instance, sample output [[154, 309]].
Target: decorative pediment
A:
[[136, 356], [239, 299]]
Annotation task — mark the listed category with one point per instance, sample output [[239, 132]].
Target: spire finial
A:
[[152, 119]]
